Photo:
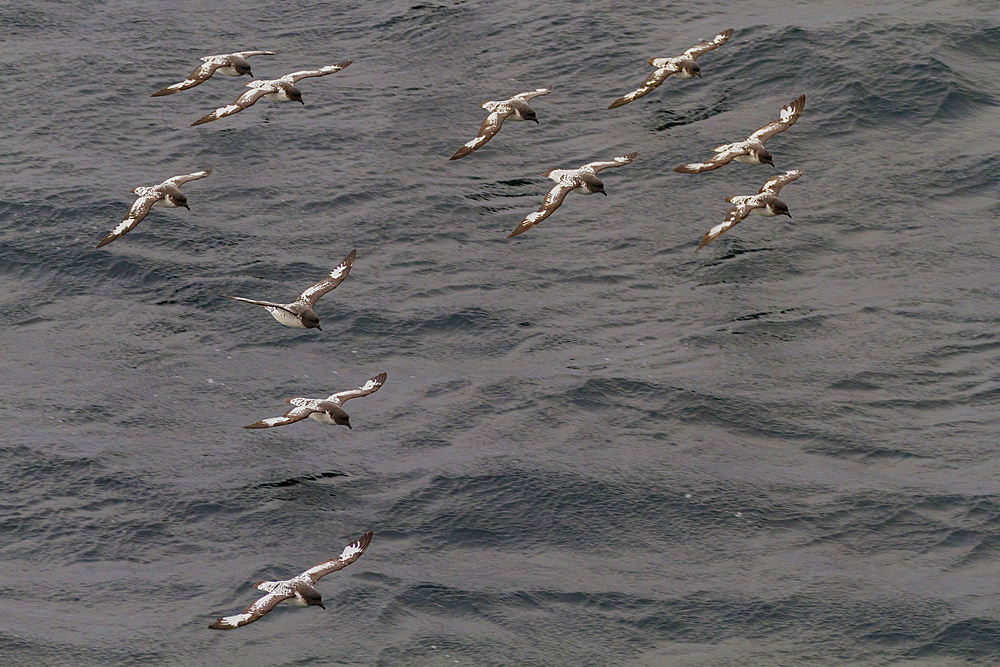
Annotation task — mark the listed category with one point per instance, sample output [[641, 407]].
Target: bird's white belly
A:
[[228, 71], [285, 317], [164, 202], [322, 418], [279, 96], [747, 159], [764, 211], [683, 75]]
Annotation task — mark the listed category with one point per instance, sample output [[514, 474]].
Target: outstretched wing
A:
[[524, 97], [200, 73], [789, 114], [619, 161], [350, 554], [247, 54], [719, 159], [655, 78], [256, 302], [713, 43], [735, 215], [372, 385], [334, 278], [552, 201], [322, 71], [253, 611], [298, 413], [490, 126], [184, 178], [246, 99], [775, 183], [140, 207]]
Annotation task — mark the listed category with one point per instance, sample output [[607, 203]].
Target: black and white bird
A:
[[281, 90], [230, 64], [582, 180], [324, 410], [765, 203], [751, 150], [515, 108], [300, 591], [681, 67], [168, 194], [299, 313]]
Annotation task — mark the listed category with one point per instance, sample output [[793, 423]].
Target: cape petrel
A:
[[583, 180], [299, 313], [324, 410], [300, 591], [515, 107], [765, 203], [167, 193], [682, 67], [230, 64], [751, 150], [282, 90]]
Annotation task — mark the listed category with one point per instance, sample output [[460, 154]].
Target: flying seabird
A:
[[751, 150], [324, 410], [167, 194], [299, 313], [299, 591], [515, 107], [230, 64], [582, 179], [682, 67], [765, 203], [281, 90]]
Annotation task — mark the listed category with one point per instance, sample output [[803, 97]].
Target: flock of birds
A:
[[300, 590]]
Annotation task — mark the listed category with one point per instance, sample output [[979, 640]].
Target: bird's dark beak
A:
[[349, 426], [187, 207], [319, 327], [788, 214], [536, 121], [604, 193], [698, 74], [302, 103], [322, 606]]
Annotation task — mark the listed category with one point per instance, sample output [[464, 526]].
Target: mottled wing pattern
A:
[[735, 215], [719, 159], [490, 126], [302, 402], [246, 99], [713, 43], [184, 178], [350, 554], [620, 161], [247, 54], [655, 78], [253, 611], [200, 73], [789, 114], [297, 413], [256, 302], [775, 183], [140, 207], [334, 278], [524, 97], [322, 71], [372, 385], [552, 201]]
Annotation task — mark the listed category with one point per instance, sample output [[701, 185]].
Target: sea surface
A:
[[596, 446]]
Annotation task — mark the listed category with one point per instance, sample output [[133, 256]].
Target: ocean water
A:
[[595, 446]]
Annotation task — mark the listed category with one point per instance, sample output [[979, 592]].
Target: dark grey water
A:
[[595, 446]]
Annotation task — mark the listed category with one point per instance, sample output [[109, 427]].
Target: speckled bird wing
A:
[[350, 554], [247, 54], [372, 385], [246, 99], [178, 181], [251, 613], [789, 114], [620, 161], [775, 183], [713, 43], [199, 74], [553, 200], [297, 413], [140, 207], [334, 278], [655, 78], [489, 127], [737, 213], [322, 71], [524, 97], [719, 159]]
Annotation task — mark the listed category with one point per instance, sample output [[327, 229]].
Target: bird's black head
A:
[[781, 208], [242, 68], [180, 200], [696, 70], [310, 320], [339, 417], [294, 94], [530, 115], [765, 157], [313, 598]]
